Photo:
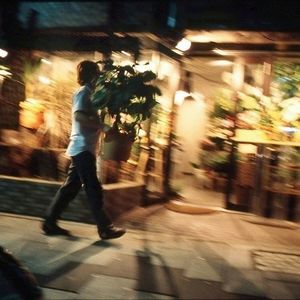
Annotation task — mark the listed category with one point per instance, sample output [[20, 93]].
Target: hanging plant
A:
[[126, 95]]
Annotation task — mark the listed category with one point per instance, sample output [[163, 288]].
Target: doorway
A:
[[190, 176]]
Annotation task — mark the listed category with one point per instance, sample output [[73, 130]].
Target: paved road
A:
[[164, 255]]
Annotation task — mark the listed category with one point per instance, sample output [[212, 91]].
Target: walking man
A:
[[86, 128]]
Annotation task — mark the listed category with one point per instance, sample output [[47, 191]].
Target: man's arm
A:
[[92, 121]]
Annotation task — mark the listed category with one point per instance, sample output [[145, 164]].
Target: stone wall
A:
[[32, 197]]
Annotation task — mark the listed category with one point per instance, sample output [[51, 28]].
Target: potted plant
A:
[[126, 98]]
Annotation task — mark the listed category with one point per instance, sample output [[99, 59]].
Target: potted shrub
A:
[[126, 98]]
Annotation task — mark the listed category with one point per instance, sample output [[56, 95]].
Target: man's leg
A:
[[85, 163], [66, 193]]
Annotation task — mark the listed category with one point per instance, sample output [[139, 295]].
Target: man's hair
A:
[[86, 71]]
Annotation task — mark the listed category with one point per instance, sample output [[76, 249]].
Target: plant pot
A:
[[117, 147]]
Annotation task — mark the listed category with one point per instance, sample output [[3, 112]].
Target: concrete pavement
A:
[[164, 255]]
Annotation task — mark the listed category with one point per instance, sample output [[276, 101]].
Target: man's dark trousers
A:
[[82, 172]]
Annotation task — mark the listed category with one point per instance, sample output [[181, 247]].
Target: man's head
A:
[[87, 71]]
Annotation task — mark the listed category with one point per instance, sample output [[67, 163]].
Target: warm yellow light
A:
[[143, 66], [142, 133], [247, 148], [46, 61], [177, 51], [237, 76], [220, 63], [32, 104], [200, 38], [290, 115], [220, 51], [165, 68], [227, 77], [126, 53], [116, 55], [180, 96], [291, 109], [288, 129], [125, 62], [250, 135], [44, 80], [256, 91], [183, 44], [31, 113], [5, 73]]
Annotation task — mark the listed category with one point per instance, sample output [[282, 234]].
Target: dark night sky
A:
[[273, 15], [255, 15], [198, 14]]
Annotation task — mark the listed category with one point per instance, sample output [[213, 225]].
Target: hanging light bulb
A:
[[184, 44], [3, 53]]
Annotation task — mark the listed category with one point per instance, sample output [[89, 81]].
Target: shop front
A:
[[247, 143], [239, 113], [33, 160]]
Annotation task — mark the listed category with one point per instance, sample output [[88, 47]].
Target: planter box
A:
[[32, 197]]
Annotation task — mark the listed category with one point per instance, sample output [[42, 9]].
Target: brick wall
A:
[[32, 197]]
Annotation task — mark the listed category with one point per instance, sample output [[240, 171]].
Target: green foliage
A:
[[217, 161], [122, 92], [287, 75], [223, 106]]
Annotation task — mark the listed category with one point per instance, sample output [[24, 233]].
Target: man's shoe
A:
[[54, 229], [112, 232]]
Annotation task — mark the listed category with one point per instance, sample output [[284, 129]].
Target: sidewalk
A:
[[164, 255]]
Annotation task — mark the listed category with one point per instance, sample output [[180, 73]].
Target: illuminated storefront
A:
[[241, 97]]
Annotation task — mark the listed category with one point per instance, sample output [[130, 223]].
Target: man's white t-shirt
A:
[[83, 138]]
